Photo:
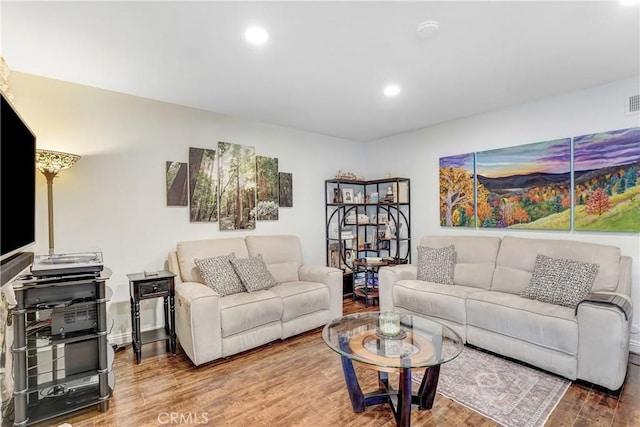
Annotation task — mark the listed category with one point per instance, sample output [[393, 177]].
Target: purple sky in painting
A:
[[595, 151], [546, 157], [464, 161]]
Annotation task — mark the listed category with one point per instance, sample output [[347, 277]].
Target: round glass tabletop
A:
[[420, 343]]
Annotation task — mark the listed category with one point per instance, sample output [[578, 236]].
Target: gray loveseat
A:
[[589, 342], [210, 326]]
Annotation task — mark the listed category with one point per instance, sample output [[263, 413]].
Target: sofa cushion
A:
[[281, 253], [560, 281], [247, 310], [300, 298], [540, 323], [253, 273], [517, 258], [188, 251], [219, 275], [432, 299], [436, 264], [475, 257]]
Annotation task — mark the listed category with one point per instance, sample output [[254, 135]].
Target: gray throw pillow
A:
[[253, 273], [560, 281], [219, 275], [436, 264]]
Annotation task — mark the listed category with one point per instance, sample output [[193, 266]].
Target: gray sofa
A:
[[589, 342], [209, 326]]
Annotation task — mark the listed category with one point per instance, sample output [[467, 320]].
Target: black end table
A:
[[368, 290], [159, 284]]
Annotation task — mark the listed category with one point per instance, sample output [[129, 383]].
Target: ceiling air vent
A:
[[632, 105]]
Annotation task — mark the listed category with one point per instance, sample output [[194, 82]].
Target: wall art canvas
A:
[[526, 186], [177, 177], [606, 188], [457, 191], [203, 185], [285, 189], [267, 195], [237, 177]]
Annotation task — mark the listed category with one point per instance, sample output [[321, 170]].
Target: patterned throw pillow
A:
[[436, 264], [560, 281], [253, 273], [218, 274]]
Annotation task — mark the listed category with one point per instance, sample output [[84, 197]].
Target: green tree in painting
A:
[[267, 182], [632, 177], [285, 189], [622, 186], [237, 175], [203, 185]]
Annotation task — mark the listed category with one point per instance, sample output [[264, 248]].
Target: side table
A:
[[369, 289], [143, 286]]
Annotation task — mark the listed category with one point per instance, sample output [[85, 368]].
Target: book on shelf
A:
[[334, 255]]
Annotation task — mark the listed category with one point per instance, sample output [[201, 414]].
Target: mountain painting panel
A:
[[457, 208], [526, 186], [606, 187]]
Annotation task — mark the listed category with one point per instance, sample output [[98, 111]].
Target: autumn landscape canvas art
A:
[[526, 186], [606, 190], [457, 191]]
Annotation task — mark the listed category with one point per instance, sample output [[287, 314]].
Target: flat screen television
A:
[[17, 182]]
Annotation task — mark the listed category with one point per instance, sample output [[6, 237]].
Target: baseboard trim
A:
[[634, 347], [119, 339]]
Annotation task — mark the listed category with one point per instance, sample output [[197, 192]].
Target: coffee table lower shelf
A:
[[399, 399], [368, 292]]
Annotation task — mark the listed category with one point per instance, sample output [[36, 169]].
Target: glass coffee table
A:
[[421, 344]]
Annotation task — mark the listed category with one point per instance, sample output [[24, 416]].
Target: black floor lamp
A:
[[50, 163]]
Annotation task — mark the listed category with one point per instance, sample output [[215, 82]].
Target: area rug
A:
[[509, 393]]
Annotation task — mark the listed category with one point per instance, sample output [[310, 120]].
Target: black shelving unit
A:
[[361, 225], [58, 371]]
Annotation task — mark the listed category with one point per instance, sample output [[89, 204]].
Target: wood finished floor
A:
[[299, 382]]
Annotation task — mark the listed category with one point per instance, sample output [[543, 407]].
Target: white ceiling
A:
[[326, 63]]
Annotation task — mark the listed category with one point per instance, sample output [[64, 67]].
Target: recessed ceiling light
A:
[[256, 35], [392, 90]]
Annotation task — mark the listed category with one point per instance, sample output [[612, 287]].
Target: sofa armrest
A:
[[388, 276], [174, 267], [198, 321], [603, 340], [332, 278]]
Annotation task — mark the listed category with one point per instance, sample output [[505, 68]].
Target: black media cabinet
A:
[[61, 359]]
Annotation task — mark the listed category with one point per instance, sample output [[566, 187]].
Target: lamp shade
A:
[[52, 162]]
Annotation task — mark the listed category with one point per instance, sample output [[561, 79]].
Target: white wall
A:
[[416, 156], [114, 198]]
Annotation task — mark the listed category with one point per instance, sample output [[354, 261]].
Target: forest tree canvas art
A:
[[177, 184], [285, 191], [203, 185], [457, 191], [526, 186], [606, 190], [267, 181], [237, 180]]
